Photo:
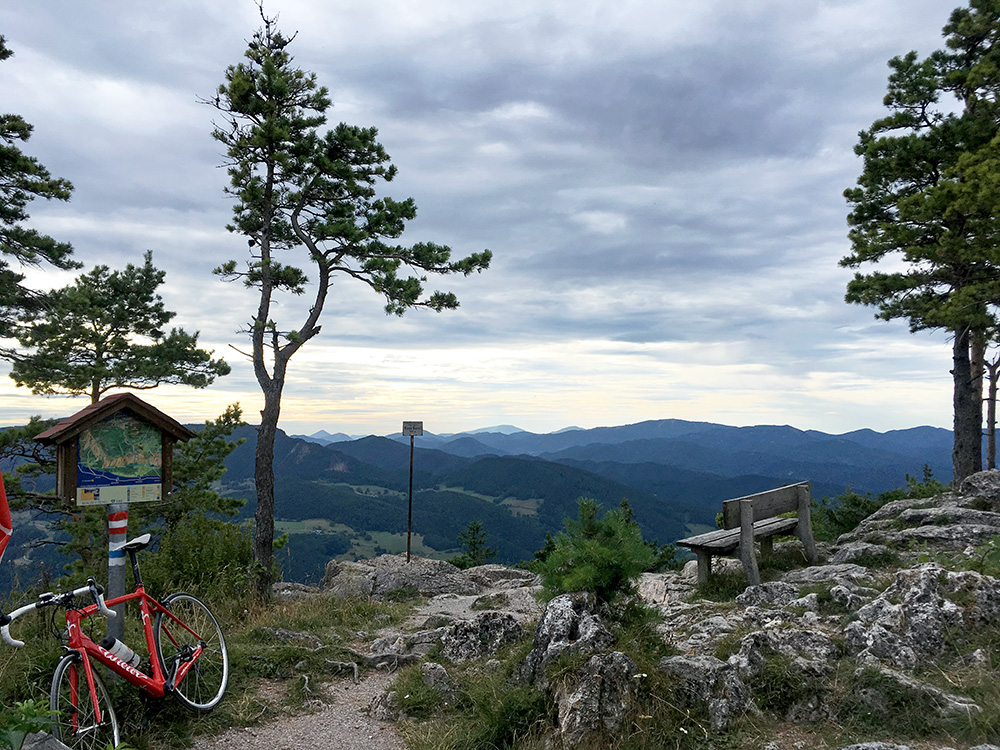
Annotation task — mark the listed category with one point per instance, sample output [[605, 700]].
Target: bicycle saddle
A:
[[140, 542]]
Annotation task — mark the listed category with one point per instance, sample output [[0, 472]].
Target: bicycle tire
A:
[[205, 683], [74, 722]]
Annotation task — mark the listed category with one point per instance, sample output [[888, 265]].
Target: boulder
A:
[[42, 741], [708, 683], [435, 676], [483, 636], [772, 593], [389, 574], [569, 625], [419, 643], [911, 619], [985, 484], [593, 703], [386, 707]]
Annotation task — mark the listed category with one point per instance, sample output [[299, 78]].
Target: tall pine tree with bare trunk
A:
[[927, 203], [308, 194]]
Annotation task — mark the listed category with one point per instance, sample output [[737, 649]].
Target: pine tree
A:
[[22, 179], [297, 188], [927, 200]]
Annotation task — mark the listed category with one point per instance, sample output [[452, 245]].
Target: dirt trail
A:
[[344, 723]]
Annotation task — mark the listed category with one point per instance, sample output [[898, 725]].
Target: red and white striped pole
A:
[[117, 536]]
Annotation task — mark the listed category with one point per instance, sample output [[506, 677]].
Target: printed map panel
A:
[[119, 461]]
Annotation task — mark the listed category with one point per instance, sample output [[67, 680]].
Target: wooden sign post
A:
[[115, 452]]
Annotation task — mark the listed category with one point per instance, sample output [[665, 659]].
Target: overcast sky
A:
[[660, 183]]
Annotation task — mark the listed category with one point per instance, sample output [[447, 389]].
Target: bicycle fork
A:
[[74, 693]]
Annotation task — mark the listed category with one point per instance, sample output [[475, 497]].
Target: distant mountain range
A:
[[347, 497], [352, 493]]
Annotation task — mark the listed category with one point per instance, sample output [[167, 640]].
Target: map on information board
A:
[[120, 460]]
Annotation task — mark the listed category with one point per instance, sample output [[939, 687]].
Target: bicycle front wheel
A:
[[76, 722], [205, 673]]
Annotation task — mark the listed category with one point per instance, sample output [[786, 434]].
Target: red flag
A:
[[5, 522]]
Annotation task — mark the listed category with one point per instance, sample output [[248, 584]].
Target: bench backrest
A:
[[767, 504]]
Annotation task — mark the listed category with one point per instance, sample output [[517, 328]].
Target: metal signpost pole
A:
[[412, 429], [117, 536]]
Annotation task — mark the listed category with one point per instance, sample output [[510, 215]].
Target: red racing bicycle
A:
[[187, 657]]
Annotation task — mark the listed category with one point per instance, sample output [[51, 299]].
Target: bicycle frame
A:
[[158, 684]]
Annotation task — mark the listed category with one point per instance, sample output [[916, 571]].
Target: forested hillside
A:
[[349, 498]]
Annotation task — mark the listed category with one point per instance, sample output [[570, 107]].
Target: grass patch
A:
[[255, 660], [491, 711]]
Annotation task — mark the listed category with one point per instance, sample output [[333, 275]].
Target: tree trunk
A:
[[263, 538], [967, 456], [993, 368]]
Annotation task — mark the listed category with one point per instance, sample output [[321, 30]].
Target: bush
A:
[[603, 556], [201, 555]]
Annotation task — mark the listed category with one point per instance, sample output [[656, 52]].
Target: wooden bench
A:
[[746, 519]]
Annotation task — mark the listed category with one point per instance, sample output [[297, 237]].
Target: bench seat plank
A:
[[729, 539]]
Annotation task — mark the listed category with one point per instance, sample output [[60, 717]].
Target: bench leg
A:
[[766, 547], [746, 551], [704, 565]]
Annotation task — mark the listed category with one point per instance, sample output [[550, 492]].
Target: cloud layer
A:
[[661, 185]]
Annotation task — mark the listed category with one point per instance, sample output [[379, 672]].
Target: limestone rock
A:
[[569, 625], [501, 577], [843, 572], [386, 707], [420, 643], [289, 590], [809, 657], [436, 676], [772, 593], [593, 702], [306, 640], [984, 484], [483, 636], [910, 620], [710, 682], [388, 574], [870, 693], [42, 741], [851, 552]]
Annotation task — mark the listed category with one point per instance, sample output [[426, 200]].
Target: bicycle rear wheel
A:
[[75, 721], [204, 684]]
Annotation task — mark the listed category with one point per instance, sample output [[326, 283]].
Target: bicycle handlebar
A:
[[49, 599]]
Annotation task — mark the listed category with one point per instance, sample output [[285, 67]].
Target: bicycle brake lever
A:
[[98, 593]]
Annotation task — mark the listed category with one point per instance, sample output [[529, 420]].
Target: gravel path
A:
[[341, 725], [344, 723]]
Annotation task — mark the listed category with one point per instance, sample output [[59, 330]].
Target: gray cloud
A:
[[655, 179]]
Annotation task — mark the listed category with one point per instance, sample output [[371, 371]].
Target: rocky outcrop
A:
[[911, 619], [482, 637], [816, 645], [569, 626], [387, 575], [593, 702], [952, 521]]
